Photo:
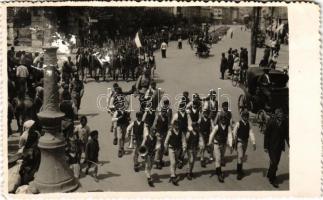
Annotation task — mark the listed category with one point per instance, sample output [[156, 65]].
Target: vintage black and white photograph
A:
[[137, 99]]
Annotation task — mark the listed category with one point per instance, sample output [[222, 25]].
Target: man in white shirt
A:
[[163, 48], [220, 136], [22, 74]]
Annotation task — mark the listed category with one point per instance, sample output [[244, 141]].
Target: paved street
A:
[[181, 71]]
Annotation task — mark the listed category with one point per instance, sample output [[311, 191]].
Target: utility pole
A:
[[254, 32]]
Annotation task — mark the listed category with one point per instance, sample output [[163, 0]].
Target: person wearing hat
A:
[[193, 138], [92, 153], [121, 117], [175, 143], [276, 134], [220, 136], [150, 142], [241, 133], [160, 126], [205, 127], [136, 131]]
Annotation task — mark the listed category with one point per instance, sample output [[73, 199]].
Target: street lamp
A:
[[54, 174]]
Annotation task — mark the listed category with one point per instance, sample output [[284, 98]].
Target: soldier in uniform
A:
[[175, 143], [220, 136], [241, 133]]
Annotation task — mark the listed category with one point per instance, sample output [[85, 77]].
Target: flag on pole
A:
[[137, 40]]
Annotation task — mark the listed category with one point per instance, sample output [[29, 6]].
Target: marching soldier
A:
[[175, 143], [220, 136], [193, 138], [205, 127], [241, 133], [136, 131], [122, 118], [150, 143]]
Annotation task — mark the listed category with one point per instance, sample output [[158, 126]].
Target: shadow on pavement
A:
[[282, 177], [108, 175], [88, 115]]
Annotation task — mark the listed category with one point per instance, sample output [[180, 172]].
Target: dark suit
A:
[[274, 142], [230, 63], [223, 66]]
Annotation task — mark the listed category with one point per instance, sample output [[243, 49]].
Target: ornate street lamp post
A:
[[54, 174]]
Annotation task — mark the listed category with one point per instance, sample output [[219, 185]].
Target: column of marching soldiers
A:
[[197, 127]]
